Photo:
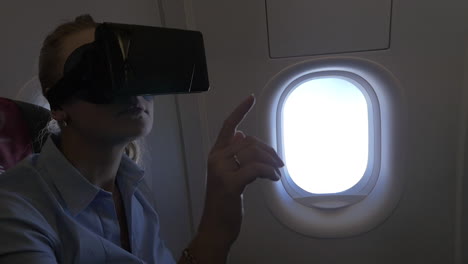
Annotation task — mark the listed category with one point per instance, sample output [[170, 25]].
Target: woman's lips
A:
[[133, 110]]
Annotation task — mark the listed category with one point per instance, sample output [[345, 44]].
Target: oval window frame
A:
[[365, 185], [369, 212]]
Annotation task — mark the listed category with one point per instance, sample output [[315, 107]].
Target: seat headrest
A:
[[20, 126]]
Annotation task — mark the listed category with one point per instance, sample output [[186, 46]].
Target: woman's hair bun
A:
[[86, 18]]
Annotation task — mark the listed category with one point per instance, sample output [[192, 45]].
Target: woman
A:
[[82, 201]]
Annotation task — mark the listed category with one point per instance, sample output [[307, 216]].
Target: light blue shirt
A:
[[50, 213]]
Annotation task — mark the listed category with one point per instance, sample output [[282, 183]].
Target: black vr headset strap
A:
[[85, 76], [75, 73]]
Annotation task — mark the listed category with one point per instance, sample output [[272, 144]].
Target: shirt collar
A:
[[76, 191], [129, 176]]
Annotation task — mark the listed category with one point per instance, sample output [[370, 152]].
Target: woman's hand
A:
[[227, 178]]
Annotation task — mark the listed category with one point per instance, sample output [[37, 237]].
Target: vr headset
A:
[[130, 60]]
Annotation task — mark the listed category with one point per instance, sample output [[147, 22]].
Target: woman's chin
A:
[[139, 126], [138, 131], [130, 131]]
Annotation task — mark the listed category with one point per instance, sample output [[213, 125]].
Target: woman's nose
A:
[[133, 100]]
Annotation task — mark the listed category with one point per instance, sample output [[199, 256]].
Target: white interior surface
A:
[[304, 28]]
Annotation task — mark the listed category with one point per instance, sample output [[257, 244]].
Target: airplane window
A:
[[339, 124], [325, 135]]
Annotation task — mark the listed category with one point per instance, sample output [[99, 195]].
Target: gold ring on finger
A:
[[236, 159]]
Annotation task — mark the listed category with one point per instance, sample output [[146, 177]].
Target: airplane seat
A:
[[21, 126]]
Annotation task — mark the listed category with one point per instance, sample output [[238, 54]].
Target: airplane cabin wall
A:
[[462, 184], [426, 55]]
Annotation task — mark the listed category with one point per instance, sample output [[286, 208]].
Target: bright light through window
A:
[[326, 135]]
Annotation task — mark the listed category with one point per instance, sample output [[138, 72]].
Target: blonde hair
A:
[[50, 70], [133, 151]]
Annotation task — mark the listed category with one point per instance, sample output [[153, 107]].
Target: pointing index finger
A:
[[232, 122]]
